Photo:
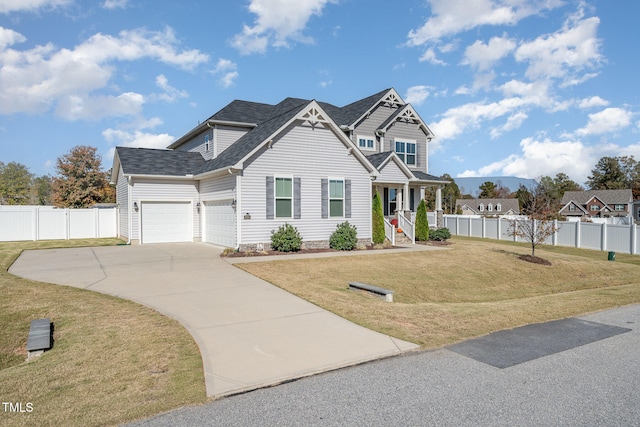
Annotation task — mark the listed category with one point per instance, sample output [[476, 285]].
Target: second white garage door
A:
[[220, 223], [164, 222]]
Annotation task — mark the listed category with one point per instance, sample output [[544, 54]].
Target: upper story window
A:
[[572, 207], [284, 197], [406, 150], [207, 143], [336, 198], [594, 207], [499, 207], [490, 207], [619, 207], [481, 207], [366, 143]]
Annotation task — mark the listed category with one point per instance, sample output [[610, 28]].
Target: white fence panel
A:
[[476, 227], [52, 224], [591, 236], [566, 235], [491, 228], [618, 238], [16, 224], [504, 229], [48, 223]]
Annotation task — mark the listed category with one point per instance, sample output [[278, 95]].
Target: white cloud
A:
[[277, 23], [35, 80], [513, 122], [75, 107], [170, 94], [8, 6], [594, 101], [450, 17], [137, 135], [115, 4], [430, 56], [226, 72], [482, 56], [609, 120], [416, 95], [9, 37], [574, 48]]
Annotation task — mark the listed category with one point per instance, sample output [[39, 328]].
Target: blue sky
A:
[[509, 87]]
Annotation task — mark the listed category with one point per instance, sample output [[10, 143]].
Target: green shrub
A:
[[440, 234], [422, 223], [344, 238], [378, 220], [286, 239]]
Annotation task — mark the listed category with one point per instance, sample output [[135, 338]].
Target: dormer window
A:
[[481, 207], [490, 207], [366, 143], [499, 207], [207, 143]]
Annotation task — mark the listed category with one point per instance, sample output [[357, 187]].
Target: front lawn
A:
[[113, 360], [469, 289]]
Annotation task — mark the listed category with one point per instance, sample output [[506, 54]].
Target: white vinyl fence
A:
[[603, 237], [50, 223]]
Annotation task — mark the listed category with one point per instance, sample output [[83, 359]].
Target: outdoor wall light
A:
[[198, 206], [233, 204], [135, 206]]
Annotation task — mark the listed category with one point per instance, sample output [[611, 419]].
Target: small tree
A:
[[539, 223], [378, 220], [81, 181], [286, 239], [422, 222], [15, 184], [344, 238]]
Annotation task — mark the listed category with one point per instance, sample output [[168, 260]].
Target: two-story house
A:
[[252, 167], [597, 203], [488, 207]]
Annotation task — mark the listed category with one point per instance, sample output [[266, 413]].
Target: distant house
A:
[[597, 203], [488, 207]]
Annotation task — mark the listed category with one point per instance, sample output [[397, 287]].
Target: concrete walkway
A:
[[251, 334]]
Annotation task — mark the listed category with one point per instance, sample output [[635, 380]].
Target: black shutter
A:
[[297, 212], [324, 188], [347, 198], [270, 197]]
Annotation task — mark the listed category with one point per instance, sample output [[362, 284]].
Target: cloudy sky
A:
[[510, 87]]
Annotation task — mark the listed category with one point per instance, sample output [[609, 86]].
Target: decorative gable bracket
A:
[[392, 100], [314, 116]]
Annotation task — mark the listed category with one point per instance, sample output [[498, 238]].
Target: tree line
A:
[[79, 182], [609, 173]]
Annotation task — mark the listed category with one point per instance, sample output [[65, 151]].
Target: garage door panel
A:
[[166, 222], [220, 223]]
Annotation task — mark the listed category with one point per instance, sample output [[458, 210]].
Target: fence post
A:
[[554, 238], [633, 238], [499, 227], [67, 224], [578, 226], [457, 225], [36, 221], [484, 227], [604, 236]]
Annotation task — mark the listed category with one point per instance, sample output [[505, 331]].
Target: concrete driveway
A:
[[251, 334]]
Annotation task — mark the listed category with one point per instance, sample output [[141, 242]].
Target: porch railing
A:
[[407, 227], [390, 231]]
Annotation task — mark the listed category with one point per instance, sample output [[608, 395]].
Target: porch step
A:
[[402, 239]]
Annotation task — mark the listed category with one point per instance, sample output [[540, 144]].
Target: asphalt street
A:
[[587, 375]]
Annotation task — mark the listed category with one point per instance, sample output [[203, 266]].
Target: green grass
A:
[[472, 288], [113, 360]]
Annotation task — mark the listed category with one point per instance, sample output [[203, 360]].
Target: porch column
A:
[[422, 193], [399, 202], [439, 212], [405, 206]]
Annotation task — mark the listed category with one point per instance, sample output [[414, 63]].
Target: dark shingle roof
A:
[[378, 158], [348, 114], [426, 177], [284, 111], [146, 161], [606, 196]]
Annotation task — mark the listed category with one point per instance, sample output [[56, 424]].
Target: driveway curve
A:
[[251, 334]]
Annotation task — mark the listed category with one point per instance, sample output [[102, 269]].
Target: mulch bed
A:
[[534, 259], [322, 250]]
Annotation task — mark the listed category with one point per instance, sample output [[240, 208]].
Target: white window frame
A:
[[572, 207], [619, 206], [276, 198], [481, 207], [367, 140], [329, 198], [594, 208], [403, 154], [499, 207], [207, 142], [490, 207]]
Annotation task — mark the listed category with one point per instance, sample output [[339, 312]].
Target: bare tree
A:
[[539, 224]]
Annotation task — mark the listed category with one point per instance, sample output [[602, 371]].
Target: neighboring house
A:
[[252, 167], [597, 203], [488, 207]]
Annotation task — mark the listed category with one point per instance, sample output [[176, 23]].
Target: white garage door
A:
[[220, 223], [164, 222]]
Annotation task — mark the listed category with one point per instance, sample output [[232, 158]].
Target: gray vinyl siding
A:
[[392, 173], [408, 131], [369, 125], [220, 188], [311, 155], [197, 144], [164, 190], [122, 198], [226, 135]]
